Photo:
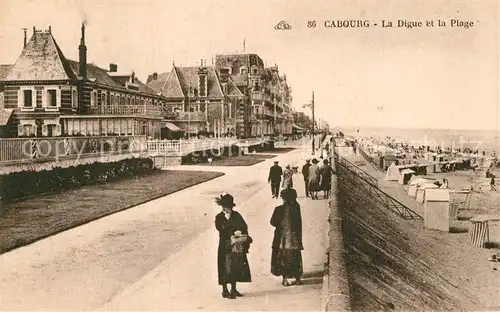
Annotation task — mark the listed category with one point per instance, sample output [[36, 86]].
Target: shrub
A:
[[25, 183]]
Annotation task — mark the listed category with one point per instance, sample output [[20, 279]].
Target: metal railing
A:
[[185, 116], [368, 158], [19, 150], [142, 110], [359, 187]]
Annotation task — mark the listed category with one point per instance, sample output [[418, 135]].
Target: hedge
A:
[[25, 183]]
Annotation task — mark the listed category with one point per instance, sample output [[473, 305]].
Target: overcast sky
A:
[[412, 78]]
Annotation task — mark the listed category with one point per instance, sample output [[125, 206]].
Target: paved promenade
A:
[[162, 255]]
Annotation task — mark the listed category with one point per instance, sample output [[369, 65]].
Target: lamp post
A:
[[311, 106]]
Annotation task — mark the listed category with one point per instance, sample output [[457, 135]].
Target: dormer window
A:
[[243, 70]]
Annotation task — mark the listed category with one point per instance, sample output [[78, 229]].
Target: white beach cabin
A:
[[415, 183], [437, 209], [405, 176], [392, 173], [422, 190]]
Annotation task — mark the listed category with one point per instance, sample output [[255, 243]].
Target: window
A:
[[51, 98], [28, 98], [103, 99], [28, 130], [254, 71], [111, 99], [203, 85], [243, 70], [75, 98], [94, 99]]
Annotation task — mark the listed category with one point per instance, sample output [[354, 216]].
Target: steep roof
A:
[[5, 70], [188, 77], [143, 87], [232, 89], [168, 84], [41, 59], [95, 73]]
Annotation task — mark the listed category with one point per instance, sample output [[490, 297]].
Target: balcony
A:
[[256, 96], [186, 116], [134, 110]]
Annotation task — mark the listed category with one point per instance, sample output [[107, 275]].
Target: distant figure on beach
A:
[[274, 178], [492, 183], [287, 178], [286, 257], [305, 173]]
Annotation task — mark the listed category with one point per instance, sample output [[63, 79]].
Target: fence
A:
[[357, 186], [368, 158], [184, 147], [50, 148], [143, 110]]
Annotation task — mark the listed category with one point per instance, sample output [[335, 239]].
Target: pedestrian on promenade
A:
[[286, 258], [305, 173], [492, 183], [326, 173], [287, 178], [314, 177], [274, 178], [234, 242]]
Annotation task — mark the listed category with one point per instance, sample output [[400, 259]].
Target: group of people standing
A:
[[234, 243], [317, 178]]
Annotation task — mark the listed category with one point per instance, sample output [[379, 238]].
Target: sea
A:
[[482, 140]]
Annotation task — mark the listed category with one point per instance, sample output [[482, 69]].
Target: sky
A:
[[429, 77]]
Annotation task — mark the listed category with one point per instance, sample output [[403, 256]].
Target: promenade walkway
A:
[[162, 255]]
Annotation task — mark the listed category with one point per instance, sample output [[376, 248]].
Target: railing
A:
[[368, 158], [185, 116], [21, 150], [184, 147], [144, 110], [357, 186]]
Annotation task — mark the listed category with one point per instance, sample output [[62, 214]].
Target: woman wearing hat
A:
[[314, 176], [326, 173], [286, 259], [234, 242]]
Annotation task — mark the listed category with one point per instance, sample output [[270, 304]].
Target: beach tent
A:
[[422, 190], [414, 183], [405, 176], [392, 173], [437, 209]]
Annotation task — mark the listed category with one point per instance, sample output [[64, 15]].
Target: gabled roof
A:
[[232, 89], [176, 84], [188, 77], [5, 70], [168, 84], [5, 116], [41, 59], [144, 88]]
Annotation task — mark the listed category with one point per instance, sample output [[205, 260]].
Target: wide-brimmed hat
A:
[[325, 161], [314, 161], [289, 194], [276, 161], [225, 200], [308, 160]]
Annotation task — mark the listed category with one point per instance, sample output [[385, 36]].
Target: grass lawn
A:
[[27, 221], [245, 160]]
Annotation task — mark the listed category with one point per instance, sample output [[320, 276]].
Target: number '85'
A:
[[311, 24]]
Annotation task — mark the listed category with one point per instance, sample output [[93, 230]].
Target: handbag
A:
[[239, 242]]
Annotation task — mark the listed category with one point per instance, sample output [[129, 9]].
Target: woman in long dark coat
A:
[[232, 266], [286, 259], [326, 173]]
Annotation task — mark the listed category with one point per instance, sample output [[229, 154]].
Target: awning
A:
[[297, 127], [5, 116], [170, 126]]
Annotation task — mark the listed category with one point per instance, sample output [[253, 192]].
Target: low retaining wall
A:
[[336, 283]]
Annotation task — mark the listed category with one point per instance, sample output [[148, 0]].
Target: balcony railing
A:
[[140, 110], [184, 147], [185, 116]]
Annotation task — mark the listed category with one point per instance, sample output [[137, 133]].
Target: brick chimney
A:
[[155, 76], [83, 55], [25, 38], [113, 68]]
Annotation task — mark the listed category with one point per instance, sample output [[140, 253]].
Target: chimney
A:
[[83, 55], [113, 68], [50, 29], [34, 30], [133, 77], [155, 76], [25, 37]]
